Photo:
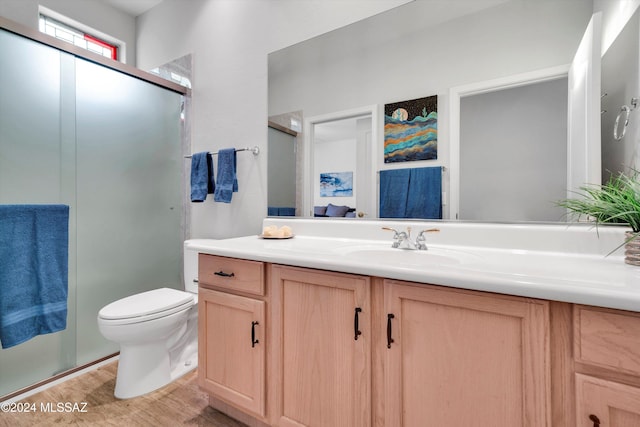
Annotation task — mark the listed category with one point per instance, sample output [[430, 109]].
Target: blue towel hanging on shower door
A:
[[34, 245]]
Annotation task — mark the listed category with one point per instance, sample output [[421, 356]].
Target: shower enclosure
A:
[[108, 145]]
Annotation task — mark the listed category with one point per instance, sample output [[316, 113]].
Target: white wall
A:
[[230, 40], [615, 15], [95, 14]]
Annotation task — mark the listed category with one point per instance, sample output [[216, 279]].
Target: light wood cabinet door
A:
[[464, 359], [602, 403], [323, 371], [231, 349]]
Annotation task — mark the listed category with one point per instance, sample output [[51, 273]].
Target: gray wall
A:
[[513, 153], [282, 176]]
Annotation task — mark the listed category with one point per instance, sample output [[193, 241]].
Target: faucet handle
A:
[[421, 239], [430, 230], [396, 236]]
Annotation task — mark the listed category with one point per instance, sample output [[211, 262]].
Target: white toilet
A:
[[157, 331]]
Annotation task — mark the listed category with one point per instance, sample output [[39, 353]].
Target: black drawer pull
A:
[[254, 341], [596, 421], [356, 327], [223, 274], [389, 339]]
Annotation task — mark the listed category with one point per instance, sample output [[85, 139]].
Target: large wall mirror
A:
[[501, 71]]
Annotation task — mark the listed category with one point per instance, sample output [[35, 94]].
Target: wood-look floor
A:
[[179, 403]]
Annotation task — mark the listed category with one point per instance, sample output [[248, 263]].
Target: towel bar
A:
[[444, 168], [255, 150]]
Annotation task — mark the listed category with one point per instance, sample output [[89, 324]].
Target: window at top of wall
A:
[[79, 38]]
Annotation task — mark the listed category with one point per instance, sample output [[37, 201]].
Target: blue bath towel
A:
[[227, 181], [394, 190], [411, 193], [34, 242], [202, 178], [425, 193]]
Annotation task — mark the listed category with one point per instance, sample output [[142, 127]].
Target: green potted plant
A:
[[617, 202]]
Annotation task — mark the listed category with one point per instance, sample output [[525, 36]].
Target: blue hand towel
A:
[[425, 193], [202, 178], [394, 190], [211, 181], [227, 182], [34, 244]]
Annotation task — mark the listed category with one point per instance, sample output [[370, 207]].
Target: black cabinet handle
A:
[[389, 339], [223, 274], [596, 421], [356, 327], [254, 341]]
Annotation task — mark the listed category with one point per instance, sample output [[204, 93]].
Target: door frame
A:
[[308, 137], [458, 92]]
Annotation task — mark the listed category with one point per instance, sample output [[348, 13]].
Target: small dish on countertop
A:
[[273, 232]]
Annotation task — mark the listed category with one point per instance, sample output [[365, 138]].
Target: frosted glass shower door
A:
[[129, 198], [36, 166], [109, 146]]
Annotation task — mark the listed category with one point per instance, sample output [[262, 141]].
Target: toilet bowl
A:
[[157, 333]]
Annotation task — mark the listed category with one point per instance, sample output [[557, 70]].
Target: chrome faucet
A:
[[402, 239], [421, 240]]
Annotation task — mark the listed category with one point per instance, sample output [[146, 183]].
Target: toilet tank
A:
[[190, 267]]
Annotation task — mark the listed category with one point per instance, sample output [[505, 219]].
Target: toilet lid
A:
[[146, 303]]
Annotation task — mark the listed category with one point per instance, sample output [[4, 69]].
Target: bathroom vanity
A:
[[492, 325]]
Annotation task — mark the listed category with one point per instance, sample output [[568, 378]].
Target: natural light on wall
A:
[[79, 38], [172, 76]]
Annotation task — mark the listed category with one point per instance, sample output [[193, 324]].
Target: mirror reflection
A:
[[620, 86], [281, 158], [340, 149], [513, 153], [503, 147]]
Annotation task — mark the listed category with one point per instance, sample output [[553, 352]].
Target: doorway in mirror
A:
[[339, 177], [281, 179], [513, 153]]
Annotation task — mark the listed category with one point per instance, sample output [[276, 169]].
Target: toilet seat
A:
[[146, 306]]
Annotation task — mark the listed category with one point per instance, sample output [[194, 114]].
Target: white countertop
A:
[[511, 262]]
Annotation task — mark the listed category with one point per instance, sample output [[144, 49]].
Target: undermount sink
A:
[[393, 256]]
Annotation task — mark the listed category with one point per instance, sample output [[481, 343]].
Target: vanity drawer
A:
[[607, 338], [231, 273]]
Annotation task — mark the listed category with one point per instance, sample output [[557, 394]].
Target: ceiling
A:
[[132, 7]]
